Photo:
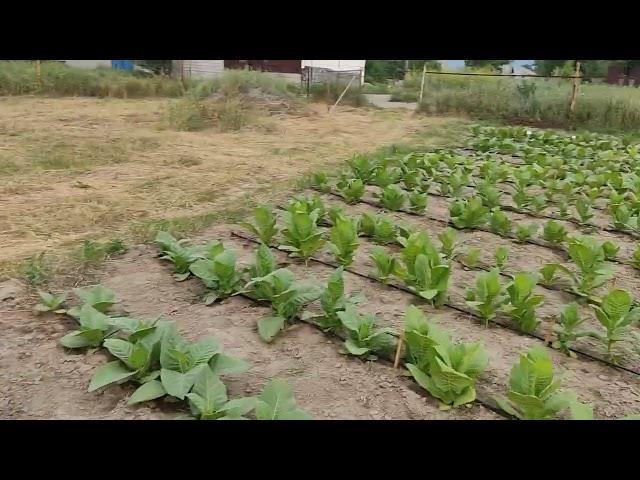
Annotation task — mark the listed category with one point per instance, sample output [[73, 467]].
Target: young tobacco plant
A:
[[265, 226], [617, 316], [550, 274], [489, 194], [468, 213], [332, 301], [446, 370], [364, 338], [351, 190], [219, 274], [500, 255], [392, 197], [534, 393], [387, 265], [610, 250], [302, 236], [448, 243], [99, 297], [522, 302], [488, 296], [385, 175], [635, 259], [208, 399], [587, 254], [417, 202], [276, 402], [500, 223], [343, 238], [287, 298], [584, 208], [320, 181], [362, 167], [554, 232], [50, 302], [380, 228], [177, 253], [426, 273], [471, 258], [525, 232], [566, 328], [95, 326]]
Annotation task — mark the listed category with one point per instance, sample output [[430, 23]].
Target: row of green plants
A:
[[154, 356]]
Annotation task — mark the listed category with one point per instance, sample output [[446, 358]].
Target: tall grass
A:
[[19, 78], [542, 102]]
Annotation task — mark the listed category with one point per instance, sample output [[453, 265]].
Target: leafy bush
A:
[[387, 265], [446, 370], [522, 302], [302, 236], [554, 232], [265, 227], [392, 197], [500, 223], [468, 213], [351, 190], [566, 328], [616, 315], [344, 239], [219, 273], [488, 296], [525, 232], [364, 338]]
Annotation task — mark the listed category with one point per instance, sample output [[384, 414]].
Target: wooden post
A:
[[424, 74], [342, 94], [574, 90], [38, 73], [396, 360]]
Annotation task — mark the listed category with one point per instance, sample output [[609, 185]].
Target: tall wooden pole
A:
[[574, 91], [424, 74], [38, 73]]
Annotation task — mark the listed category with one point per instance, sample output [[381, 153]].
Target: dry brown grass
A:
[[79, 168]]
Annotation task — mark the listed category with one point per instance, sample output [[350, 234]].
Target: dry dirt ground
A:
[[81, 168]]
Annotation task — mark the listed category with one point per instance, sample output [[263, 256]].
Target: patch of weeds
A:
[[231, 115], [8, 167], [34, 270], [187, 114], [92, 252]]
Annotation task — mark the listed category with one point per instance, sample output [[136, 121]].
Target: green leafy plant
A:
[[468, 213], [522, 302], [500, 223], [50, 302], [287, 297], [265, 226], [534, 393], [417, 202], [362, 167], [566, 328], [610, 250], [635, 259], [219, 274], [386, 264], [392, 197], [489, 194], [538, 203], [385, 176], [208, 399], [446, 370], [501, 254], [95, 326], [471, 258], [550, 274], [320, 181], [587, 254], [427, 274], [554, 232], [364, 339], [99, 297], [380, 228], [344, 239], [263, 265], [488, 296], [351, 190], [332, 301], [525, 232], [616, 315], [177, 253], [448, 243], [302, 236], [584, 208], [276, 402]]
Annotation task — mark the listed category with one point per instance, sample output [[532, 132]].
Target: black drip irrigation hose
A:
[[405, 289]]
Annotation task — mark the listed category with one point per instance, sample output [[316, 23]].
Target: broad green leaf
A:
[[268, 327], [221, 364], [82, 338], [178, 384], [239, 406], [119, 348], [109, 373], [147, 391], [275, 400], [354, 349]]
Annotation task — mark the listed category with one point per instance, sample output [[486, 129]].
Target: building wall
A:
[[88, 63], [198, 68], [340, 65]]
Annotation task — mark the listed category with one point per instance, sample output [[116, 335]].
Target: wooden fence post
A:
[[424, 74], [574, 90], [38, 73]]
